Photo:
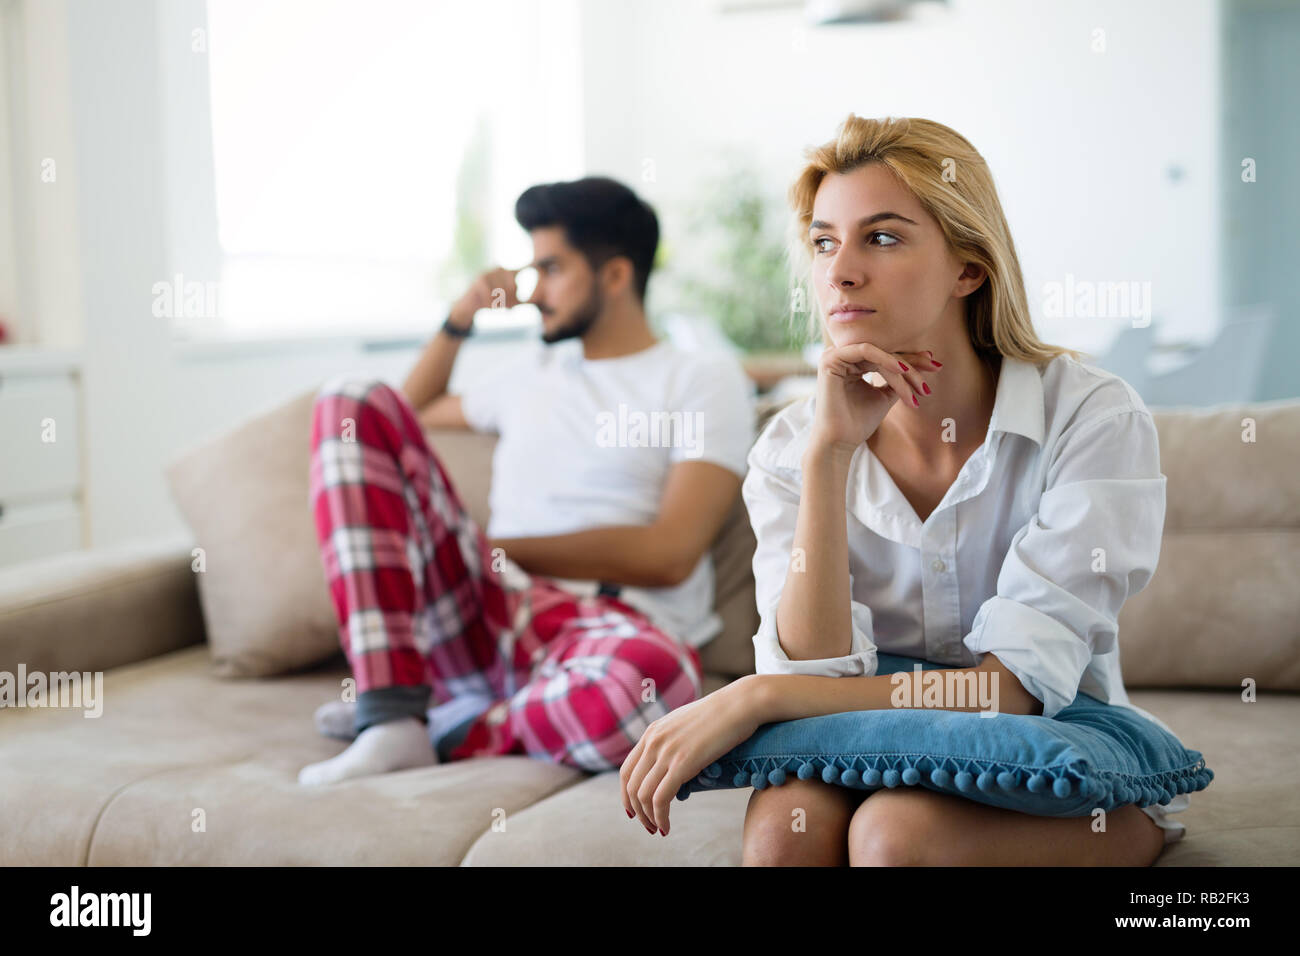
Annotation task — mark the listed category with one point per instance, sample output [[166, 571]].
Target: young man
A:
[[575, 623]]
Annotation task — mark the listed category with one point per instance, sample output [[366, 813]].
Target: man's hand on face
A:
[[491, 290]]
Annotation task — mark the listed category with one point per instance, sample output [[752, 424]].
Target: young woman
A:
[[954, 490]]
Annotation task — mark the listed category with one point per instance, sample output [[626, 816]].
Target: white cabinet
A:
[[40, 453]]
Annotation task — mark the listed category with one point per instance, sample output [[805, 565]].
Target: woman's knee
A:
[[799, 823], [1138, 840], [892, 828]]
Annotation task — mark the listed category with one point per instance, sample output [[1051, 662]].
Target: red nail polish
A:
[[915, 402], [926, 388], [630, 814], [902, 366], [938, 364], [661, 832], [650, 830]]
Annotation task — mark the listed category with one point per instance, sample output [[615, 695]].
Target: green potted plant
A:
[[738, 273]]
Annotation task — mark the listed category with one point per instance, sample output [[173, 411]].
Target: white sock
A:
[[380, 748], [338, 718]]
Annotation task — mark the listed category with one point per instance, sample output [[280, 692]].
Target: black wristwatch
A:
[[456, 333]]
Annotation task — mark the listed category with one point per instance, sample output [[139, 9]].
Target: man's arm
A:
[[695, 502], [426, 385], [445, 411], [427, 381], [792, 696]]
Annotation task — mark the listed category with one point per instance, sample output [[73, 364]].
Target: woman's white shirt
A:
[[1051, 524]]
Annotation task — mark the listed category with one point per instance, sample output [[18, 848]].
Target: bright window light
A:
[[368, 155]]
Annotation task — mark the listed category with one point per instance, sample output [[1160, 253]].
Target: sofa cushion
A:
[[1222, 607], [185, 769], [584, 825], [262, 585], [1234, 465], [732, 651]]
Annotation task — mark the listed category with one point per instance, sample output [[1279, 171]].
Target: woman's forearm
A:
[[990, 686], [813, 618]]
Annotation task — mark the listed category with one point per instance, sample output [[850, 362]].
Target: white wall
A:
[[47, 257], [1080, 143]]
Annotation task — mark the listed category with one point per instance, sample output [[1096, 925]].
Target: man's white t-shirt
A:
[[589, 443]]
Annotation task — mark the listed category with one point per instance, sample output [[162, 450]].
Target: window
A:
[[367, 156]]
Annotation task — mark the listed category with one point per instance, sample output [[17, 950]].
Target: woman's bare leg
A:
[[799, 823], [922, 828]]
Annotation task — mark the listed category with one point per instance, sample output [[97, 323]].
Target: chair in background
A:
[[1128, 354], [1226, 370]]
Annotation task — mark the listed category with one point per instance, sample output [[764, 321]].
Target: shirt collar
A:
[[1018, 405]]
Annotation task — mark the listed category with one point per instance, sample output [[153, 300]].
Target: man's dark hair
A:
[[601, 218]]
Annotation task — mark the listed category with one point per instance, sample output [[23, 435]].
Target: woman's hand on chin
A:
[[849, 409], [683, 742]]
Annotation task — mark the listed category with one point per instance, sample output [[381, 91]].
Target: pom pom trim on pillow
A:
[[1090, 755], [1076, 789]]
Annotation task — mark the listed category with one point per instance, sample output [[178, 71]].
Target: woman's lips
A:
[[851, 315]]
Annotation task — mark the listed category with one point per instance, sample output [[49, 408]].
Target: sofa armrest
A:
[[97, 609]]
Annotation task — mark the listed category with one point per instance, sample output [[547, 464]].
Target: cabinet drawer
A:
[[32, 408], [28, 532]]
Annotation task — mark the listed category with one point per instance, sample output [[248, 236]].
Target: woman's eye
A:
[[893, 240]]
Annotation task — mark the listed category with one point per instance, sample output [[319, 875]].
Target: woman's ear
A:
[[971, 278]]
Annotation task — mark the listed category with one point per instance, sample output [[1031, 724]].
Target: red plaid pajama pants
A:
[[426, 615]]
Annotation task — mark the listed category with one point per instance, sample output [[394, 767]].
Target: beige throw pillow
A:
[[263, 592], [262, 588]]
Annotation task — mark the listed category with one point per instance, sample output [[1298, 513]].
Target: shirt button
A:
[[497, 715], [938, 564]]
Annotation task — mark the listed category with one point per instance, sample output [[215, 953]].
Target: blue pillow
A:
[[1091, 754]]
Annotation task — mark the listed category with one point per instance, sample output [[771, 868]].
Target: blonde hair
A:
[[953, 183]]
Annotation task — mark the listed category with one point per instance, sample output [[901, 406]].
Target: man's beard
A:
[[582, 320]]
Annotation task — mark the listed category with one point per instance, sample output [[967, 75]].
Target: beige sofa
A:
[[184, 767]]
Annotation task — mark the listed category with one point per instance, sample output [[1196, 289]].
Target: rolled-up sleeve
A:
[[1093, 543], [772, 498]]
